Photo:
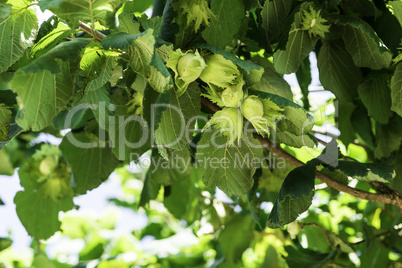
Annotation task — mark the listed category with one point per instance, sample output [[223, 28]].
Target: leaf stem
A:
[[392, 197]]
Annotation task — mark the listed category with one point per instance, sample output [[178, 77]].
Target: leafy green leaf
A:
[[74, 11], [99, 101], [130, 134], [359, 39], [397, 9], [169, 29], [151, 65], [103, 74], [168, 171], [99, 68], [6, 167], [305, 258], [226, 25], [120, 40], [274, 14], [32, 208], [41, 261], [8, 97], [90, 165], [14, 130], [143, 59], [375, 95], [367, 171], [50, 40], [365, 7], [344, 120], [291, 139], [396, 89], [5, 10], [151, 23], [127, 25], [182, 201], [338, 73], [298, 47], [231, 168], [45, 4], [294, 198], [18, 31], [273, 83], [303, 76], [296, 121], [173, 130], [361, 171], [234, 246], [389, 138], [374, 254], [52, 60], [5, 243], [46, 85], [5, 119], [149, 191], [362, 125], [137, 6]]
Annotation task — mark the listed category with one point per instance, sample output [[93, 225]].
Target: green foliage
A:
[[294, 197], [230, 167], [226, 23], [337, 71], [18, 29], [197, 91], [396, 91], [298, 46], [87, 177], [5, 118], [73, 11]]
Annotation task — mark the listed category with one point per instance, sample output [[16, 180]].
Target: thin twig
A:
[[38, 248], [392, 198], [86, 28], [321, 141], [396, 228]]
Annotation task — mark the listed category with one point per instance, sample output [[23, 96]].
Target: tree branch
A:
[[392, 197], [86, 28]]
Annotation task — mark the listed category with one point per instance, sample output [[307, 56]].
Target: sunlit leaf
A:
[[298, 47], [396, 89], [274, 14], [231, 168], [376, 96], [17, 32], [32, 209], [338, 73], [5, 119], [227, 23], [363, 44], [73, 11], [173, 130], [90, 165], [46, 85]]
